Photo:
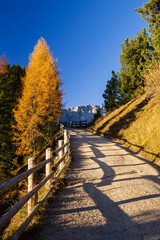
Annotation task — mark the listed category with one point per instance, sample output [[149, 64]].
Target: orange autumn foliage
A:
[[40, 101]]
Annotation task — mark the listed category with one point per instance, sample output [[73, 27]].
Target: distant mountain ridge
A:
[[81, 113]]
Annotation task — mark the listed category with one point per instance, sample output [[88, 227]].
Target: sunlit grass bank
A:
[[136, 125]]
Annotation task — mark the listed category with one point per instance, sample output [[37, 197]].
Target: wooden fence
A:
[[63, 152], [75, 124]]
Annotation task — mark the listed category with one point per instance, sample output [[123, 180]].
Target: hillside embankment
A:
[[136, 125]]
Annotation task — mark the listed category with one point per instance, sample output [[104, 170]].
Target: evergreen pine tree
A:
[[134, 59], [111, 93], [150, 12], [10, 89]]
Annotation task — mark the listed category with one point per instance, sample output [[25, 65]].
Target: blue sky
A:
[[85, 36]]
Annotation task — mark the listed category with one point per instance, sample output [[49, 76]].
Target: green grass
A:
[[136, 125]]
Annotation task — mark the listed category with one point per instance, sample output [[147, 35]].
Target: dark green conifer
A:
[[135, 58], [111, 93], [10, 89], [150, 12]]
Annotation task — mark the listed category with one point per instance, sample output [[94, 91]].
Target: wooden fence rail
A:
[[31, 197], [75, 124]]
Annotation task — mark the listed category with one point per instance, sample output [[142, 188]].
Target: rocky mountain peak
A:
[[81, 113]]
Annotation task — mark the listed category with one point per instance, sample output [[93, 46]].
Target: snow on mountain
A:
[[81, 113]]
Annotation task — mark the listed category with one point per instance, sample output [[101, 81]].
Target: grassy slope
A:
[[136, 124]]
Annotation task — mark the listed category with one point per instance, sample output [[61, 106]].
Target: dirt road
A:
[[110, 194]]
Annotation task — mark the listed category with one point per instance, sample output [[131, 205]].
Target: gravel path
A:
[[110, 194]]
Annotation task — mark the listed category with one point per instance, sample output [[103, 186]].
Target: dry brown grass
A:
[[136, 124], [153, 79]]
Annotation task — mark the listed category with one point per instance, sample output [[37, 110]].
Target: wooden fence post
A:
[[62, 129], [65, 140], [48, 168], [60, 154], [32, 182]]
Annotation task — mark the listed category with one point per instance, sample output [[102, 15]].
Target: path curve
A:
[[110, 194]]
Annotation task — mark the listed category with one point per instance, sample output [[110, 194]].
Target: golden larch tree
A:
[[41, 99]]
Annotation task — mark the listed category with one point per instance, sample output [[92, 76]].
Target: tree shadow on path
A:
[[119, 224]]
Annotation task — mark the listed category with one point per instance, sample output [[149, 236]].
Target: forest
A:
[[140, 62], [31, 104]]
